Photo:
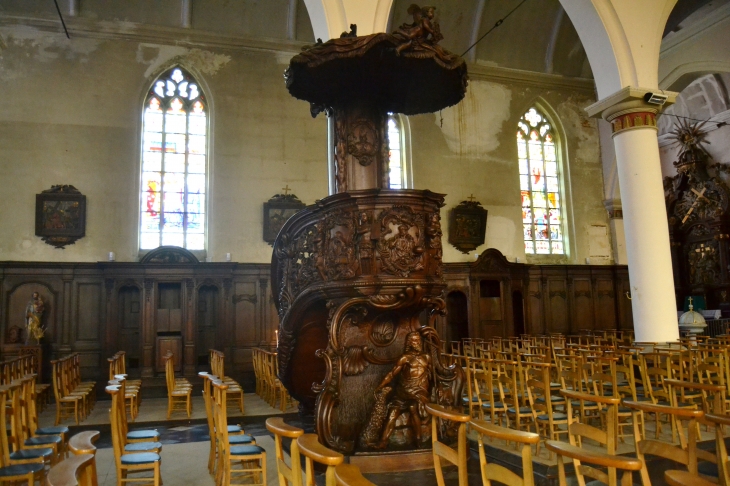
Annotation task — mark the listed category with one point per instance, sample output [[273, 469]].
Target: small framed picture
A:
[[277, 211], [60, 215]]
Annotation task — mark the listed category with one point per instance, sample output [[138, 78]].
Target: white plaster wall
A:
[[474, 151], [71, 115]]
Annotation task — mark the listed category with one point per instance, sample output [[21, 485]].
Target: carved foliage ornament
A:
[[401, 246]]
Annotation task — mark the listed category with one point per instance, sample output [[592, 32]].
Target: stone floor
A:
[[186, 446]]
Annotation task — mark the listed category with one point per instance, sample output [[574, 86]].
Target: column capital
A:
[[626, 109]]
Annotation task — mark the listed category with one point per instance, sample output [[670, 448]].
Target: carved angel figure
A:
[[423, 30]]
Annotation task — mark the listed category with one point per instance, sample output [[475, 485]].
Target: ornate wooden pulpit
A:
[[357, 275]]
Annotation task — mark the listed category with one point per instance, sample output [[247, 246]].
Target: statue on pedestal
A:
[[33, 315]]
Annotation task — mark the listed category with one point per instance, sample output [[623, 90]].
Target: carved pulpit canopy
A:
[[169, 254], [403, 72]]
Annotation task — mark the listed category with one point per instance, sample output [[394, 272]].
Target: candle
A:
[[112, 256], [228, 257]]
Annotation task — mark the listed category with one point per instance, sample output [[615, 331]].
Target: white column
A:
[[633, 124], [647, 235]]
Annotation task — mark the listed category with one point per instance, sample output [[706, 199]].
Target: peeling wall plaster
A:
[[466, 129], [155, 56]]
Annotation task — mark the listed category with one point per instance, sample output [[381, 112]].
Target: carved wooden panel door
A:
[[129, 319]]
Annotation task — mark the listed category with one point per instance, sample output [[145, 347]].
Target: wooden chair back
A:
[[441, 450], [685, 453], [313, 451], [723, 462], [495, 472], [287, 474]]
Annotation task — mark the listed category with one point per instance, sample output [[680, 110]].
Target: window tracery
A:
[[542, 210], [174, 163]]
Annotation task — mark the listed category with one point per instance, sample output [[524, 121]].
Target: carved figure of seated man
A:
[[412, 372]]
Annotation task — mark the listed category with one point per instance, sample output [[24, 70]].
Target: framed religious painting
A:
[[60, 215], [467, 226], [277, 211]]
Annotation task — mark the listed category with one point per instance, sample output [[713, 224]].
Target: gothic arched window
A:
[[397, 153], [542, 209], [174, 163]]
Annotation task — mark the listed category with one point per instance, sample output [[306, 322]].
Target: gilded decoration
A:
[[633, 120], [698, 200]]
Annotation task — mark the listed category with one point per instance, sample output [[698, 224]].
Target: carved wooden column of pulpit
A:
[[356, 276]]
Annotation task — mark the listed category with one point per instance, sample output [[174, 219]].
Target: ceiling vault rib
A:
[[552, 43], [478, 14]]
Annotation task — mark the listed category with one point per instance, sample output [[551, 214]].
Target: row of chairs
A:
[[268, 385], [14, 368], [28, 449], [73, 396], [599, 462], [133, 396], [179, 390], [136, 451], [234, 454], [217, 368]]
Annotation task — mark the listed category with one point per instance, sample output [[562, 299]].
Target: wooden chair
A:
[[543, 403], [485, 386], [606, 437], [37, 431], [65, 403], [350, 475], [28, 469], [723, 462], [179, 394], [236, 434], [128, 445], [613, 463], [513, 395], [127, 463], [75, 471], [313, 452], [288, 474], [685, 453], [26, 427], [496, 472], [235, 390], [442, 451], [252, 458]]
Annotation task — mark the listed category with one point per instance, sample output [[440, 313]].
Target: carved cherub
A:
[[424, 28]]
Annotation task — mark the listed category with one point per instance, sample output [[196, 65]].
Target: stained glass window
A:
[[396, 154], [174, 163], [539, 185]]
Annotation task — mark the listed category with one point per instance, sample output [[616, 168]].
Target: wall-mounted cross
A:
[[286, 189], [471, 198]]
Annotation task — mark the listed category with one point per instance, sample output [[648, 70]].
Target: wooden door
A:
[[130, 318]]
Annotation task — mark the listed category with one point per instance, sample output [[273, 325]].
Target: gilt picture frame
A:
[[60, 215]]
